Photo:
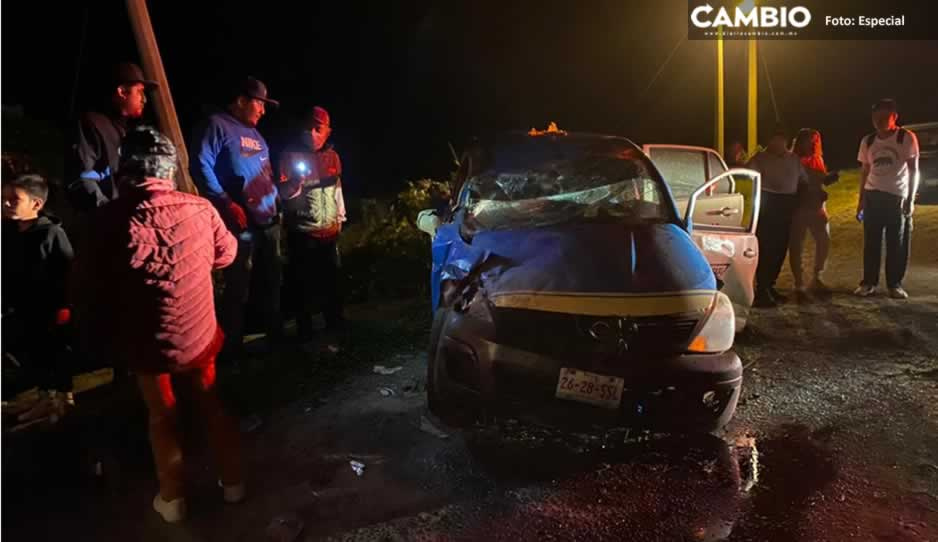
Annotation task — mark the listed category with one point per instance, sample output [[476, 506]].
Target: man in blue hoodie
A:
[[232, 169]]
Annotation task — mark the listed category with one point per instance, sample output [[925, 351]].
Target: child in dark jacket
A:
[[36, 259]]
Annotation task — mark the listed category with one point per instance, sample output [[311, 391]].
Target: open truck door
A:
[[721, 219], [730, 247]]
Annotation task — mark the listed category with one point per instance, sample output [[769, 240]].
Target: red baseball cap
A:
[[320, 117]]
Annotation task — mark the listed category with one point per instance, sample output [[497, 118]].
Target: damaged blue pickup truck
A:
[[569, 290]]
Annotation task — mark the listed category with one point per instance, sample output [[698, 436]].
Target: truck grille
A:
[[570, 336]]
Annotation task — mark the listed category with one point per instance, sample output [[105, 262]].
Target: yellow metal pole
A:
[[719, 136], [753, 108], [165, 109]]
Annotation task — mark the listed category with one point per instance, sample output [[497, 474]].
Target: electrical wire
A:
[[664, 64], [768, 77]]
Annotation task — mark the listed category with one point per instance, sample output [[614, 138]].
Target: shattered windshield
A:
[[542, 181]]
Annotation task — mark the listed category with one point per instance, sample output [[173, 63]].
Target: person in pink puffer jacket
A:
[[149, 306]]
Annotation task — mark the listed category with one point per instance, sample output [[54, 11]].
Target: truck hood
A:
[[592, 269]]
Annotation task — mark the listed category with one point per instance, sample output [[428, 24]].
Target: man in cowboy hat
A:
[[94, 157], [231, 167]]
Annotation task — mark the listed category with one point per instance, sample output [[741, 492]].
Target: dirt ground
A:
[[835, 438]]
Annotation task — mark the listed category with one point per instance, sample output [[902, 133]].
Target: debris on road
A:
[[374, 459], [358, 467], [387, 371], [386, 392], [250, 424], [429, 427], [411, 386], [284, 529], [748, 460]]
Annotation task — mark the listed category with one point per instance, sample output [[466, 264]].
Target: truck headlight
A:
[[719, 329]]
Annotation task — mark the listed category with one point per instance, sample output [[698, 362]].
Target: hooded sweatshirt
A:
[[35, 268], [231, 162], [94, 159]]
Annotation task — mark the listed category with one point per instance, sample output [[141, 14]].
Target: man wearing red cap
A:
[[311, 190]]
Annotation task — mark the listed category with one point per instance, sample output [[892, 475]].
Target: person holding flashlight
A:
[[314, 210]]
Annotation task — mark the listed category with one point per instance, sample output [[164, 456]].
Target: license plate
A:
[[595, 389]]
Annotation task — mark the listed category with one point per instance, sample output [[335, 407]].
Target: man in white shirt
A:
[[782, 172], [888, 185]]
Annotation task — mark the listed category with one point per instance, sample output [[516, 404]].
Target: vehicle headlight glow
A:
[[301, 167], [719, 329]]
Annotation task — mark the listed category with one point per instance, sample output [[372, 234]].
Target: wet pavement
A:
[[835, 438]]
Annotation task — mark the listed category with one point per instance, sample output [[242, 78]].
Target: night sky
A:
[[402, 78]]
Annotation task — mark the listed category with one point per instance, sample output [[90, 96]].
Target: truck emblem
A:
[[614, 333]]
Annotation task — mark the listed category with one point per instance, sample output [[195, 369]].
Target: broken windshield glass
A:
[[580, 185]]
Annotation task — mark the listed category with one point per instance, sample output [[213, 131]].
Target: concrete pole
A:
[[153, 68], [719, 109], [753, 108]]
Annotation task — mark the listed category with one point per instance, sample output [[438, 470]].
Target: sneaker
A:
[[173, 511], [764, 300], [777, 296], [864, 291], [233, 494], [898, 293]]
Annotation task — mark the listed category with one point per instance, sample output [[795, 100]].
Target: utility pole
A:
[[719, 136], [753, 108], [153, 68]]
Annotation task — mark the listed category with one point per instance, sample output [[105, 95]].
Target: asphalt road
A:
[[835, 438]]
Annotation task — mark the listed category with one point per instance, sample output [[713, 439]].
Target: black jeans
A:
[[313, 281], [774, 231], [254, 276], [882, 212]]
